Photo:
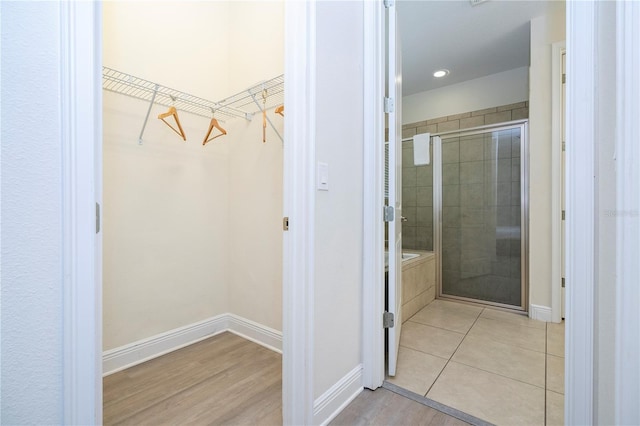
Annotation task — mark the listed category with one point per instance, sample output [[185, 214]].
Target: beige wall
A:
[[180, 219], [545, 30]]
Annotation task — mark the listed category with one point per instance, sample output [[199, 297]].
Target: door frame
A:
[[81, 123], [557, 50], [81, 140]]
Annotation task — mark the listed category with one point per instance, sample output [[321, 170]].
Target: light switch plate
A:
[[322, 177]]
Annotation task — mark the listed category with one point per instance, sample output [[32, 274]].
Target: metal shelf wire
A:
[[240, 105]]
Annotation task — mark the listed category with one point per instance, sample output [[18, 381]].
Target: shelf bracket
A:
[[253, 96], [153, 98]]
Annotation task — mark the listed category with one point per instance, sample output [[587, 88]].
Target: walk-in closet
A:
[[193, 141]]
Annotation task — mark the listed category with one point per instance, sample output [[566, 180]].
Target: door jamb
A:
[[81, 140], [557, 50], [373, 225]]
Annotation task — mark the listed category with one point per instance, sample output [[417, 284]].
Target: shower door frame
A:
[[523, 125]]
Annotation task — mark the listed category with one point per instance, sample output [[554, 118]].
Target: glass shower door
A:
[[481, 233]]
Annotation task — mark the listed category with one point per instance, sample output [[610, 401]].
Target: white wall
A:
[[32, 340], [338, 227], [190, 231], [545, 30], [504, 88]]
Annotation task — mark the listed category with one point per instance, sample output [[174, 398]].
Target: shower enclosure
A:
[[480, 214]]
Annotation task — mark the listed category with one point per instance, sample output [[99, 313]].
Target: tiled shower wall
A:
[[417, 181]]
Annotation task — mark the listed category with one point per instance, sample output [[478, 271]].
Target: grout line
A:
[[501, 375], [454, 352], [439, 328]]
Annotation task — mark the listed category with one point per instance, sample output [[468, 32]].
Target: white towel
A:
[[421, 149]]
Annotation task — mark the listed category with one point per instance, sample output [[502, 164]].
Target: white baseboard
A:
[[126, 356], [258, 333], [334, 400], [540, 313]]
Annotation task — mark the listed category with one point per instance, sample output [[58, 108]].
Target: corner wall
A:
[[545, 30]]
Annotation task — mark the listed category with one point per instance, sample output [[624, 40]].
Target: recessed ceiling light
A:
[[441, 73]]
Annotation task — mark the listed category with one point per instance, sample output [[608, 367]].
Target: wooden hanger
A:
[[280, 110], [214, 123], [173, 112]]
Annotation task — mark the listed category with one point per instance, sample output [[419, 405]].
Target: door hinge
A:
[[564, 146], [285, 223], [563, 283], [389, 213], [389, 105], [562, 214], [97, 218], [387, 320], [389, 3], [564, 78]]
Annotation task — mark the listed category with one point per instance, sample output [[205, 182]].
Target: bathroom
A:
[[485, 251]]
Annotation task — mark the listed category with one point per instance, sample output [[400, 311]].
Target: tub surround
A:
[[418, 282]]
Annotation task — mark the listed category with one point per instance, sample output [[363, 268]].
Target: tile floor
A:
[[498, 366]]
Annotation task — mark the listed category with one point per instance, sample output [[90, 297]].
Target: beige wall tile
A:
[[520, 113], [497, 117], [448, 125], [511, 106], [416, 124], [488, 396], [436, 120], [467, 123], [484, 111], [407, 133], [427, 129], [458, 116]]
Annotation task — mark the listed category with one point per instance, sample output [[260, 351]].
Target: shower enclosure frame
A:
[[523, 125]]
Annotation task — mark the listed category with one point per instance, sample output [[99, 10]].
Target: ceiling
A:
[[469, 41]]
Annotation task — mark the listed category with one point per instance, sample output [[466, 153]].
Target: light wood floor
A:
[[383, 407], [221, 380], [227, 380]]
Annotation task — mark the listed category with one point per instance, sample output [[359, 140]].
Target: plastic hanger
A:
[[173, 112], [280, 110], [212, 124]]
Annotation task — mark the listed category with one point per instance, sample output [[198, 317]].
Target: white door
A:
[[394, 93]]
